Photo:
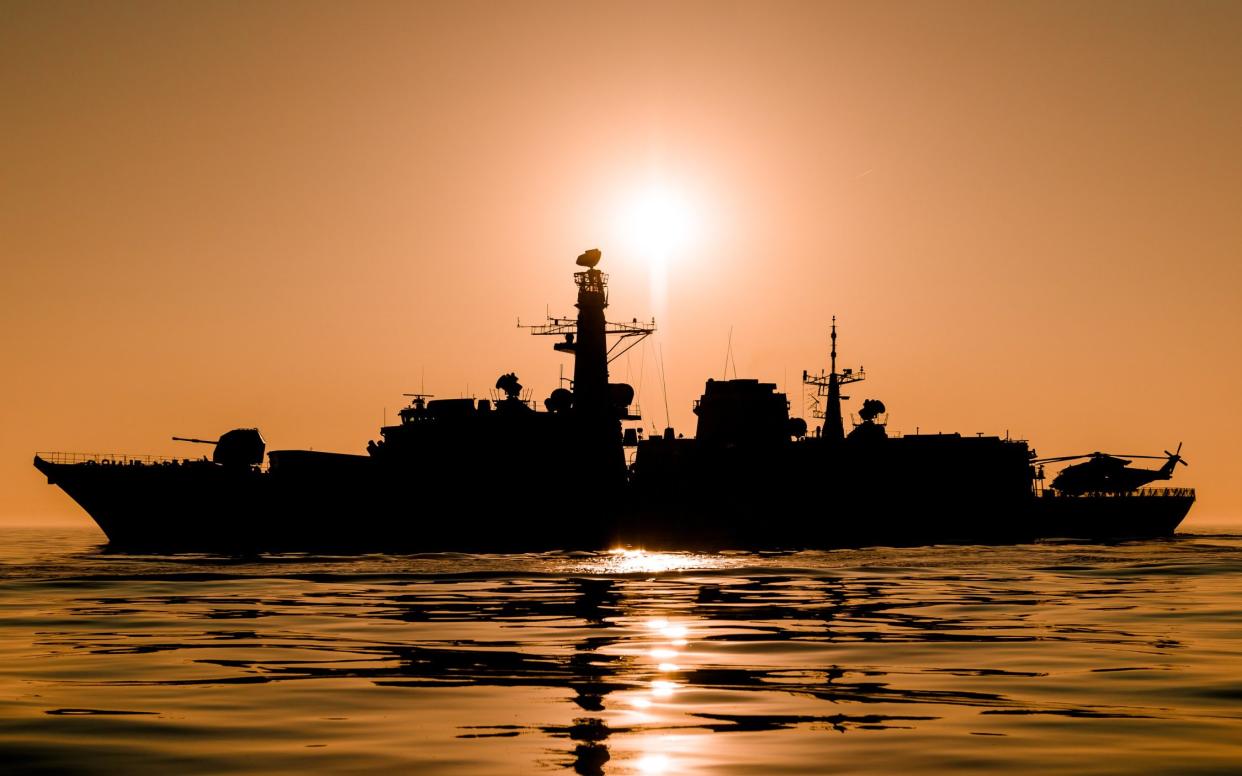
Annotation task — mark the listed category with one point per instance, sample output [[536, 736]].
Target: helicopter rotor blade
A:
[[1057, 459], [1095, 455], [1118, 456], [1177, 457], [1060, 458]]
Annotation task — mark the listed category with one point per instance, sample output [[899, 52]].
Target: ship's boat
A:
[[504, 474]]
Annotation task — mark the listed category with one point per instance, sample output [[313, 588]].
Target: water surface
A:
[[1089, 659]]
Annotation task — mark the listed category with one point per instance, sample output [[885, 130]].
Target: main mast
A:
[[829, 386]]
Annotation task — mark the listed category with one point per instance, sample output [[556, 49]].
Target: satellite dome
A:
[[590, 258]]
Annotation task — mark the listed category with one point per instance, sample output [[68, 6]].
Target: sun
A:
[[661, 221]]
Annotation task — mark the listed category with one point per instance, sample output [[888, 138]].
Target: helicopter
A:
[[1106, 473]]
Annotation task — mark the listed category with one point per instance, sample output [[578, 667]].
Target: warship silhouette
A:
[[503, 474]]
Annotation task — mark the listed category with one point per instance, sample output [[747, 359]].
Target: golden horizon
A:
[[1023, 217]]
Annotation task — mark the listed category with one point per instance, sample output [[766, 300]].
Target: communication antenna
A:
[[724, 373], [642, 368], [664, 385]]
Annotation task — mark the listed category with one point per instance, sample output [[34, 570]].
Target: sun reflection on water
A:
[[637, 561], [653, 763], [665, 753], [662, 688], [661, 651]]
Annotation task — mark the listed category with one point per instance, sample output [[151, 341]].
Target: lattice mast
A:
[[829, 385]]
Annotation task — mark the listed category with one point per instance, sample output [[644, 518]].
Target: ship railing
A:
[[115, 459], [1139, 493]]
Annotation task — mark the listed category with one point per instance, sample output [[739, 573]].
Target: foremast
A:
[[598, 406], [591, 346]]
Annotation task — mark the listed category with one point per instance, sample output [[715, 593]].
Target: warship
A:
[[504, 474]]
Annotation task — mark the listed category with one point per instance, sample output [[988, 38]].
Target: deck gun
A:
[[241, 447]]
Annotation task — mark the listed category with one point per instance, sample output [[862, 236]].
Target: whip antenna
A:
[[664, 385]]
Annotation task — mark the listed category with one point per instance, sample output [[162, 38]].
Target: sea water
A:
[[1051, 657]]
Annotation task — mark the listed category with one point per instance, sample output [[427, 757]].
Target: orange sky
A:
[[221, 214]]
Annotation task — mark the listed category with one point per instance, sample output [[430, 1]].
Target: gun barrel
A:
[[197, 441]]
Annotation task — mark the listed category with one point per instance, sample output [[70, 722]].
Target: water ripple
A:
[[942, 658]]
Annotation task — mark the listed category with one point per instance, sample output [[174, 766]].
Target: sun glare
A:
[[660, 224], [661, 221], [631, 561]]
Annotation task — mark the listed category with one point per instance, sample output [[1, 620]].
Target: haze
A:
[[1024, 215]]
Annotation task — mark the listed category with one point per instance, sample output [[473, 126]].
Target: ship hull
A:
[[1137, 514], [904, 522], [191, 504], [908, 491], [323, 502], [349, 504]]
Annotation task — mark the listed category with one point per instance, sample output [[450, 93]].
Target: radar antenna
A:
[[592, 284]]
